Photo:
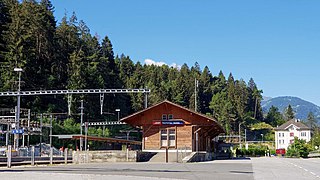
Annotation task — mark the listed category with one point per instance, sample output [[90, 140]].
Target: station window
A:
[[170, 116], [164, 117], [164, 137], [168, 137]]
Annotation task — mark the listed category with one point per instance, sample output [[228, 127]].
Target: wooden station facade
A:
[[168, 125]]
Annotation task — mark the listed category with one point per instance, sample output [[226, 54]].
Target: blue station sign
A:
[[17, 131], [168, 122]]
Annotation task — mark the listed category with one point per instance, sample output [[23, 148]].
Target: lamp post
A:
[[262, 138], [240, 145], [19, 70], [118, 110]]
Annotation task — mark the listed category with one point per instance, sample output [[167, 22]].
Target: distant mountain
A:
[[300, 106]]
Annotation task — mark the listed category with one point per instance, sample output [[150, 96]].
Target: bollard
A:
[[9, 150], [66, 155], [51, 155], [32, 155]]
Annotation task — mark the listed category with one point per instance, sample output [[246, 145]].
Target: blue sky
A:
[[277, 43]]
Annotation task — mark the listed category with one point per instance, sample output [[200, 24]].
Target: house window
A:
[[170, 116], [303, 134], [168, 137], [279, 134], [164, 117], [291, 141], [282, 134], [283, 141], [279, 141], [291, 134]]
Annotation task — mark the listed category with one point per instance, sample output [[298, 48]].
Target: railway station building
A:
[[170, 126]]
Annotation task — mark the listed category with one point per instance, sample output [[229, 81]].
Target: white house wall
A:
[[283, 140]]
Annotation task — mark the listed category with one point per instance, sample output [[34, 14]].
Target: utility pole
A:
[[40, 134], [19, 70], [196, 84], [81, 121], [29, 117], [50, 130]]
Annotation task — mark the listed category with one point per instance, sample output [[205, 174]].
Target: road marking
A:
[[305, 170], [313, 173]]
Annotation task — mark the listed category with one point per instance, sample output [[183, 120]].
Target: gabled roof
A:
[[294, 122], [128, 118]]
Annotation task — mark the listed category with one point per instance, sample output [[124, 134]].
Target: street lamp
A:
[[118, 110], [240, 135], [19, 70], [262, 137]]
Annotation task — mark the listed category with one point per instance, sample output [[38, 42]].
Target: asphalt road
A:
[[256, 168]]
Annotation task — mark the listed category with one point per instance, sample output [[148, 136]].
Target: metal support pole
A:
[[69, 104], [240, 145], [145, 100], [51, 155], [197, 142], [32, 156], [66, 155], [29, 117], [40, 134], [9, 155], [245, 135], [167, 154], [81, 122], [177, 155], [23, 135], [50, 130], [7, 135], [16, 136], [101, 103], [18, 113], [86, 136]]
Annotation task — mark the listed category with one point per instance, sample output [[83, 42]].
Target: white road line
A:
[[313, 173], [305, 170]]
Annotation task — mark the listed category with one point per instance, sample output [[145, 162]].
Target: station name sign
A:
[[168, 122]]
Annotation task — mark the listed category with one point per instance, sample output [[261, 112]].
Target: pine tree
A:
[[289, 113], [205, 95], [312, 121], [274, 117]]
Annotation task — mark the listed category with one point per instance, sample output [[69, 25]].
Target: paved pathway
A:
[[286, 168], [256, 168]]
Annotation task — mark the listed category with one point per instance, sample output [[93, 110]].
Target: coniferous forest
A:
[[66, 55]]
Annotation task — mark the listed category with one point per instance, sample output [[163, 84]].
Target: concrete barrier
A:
[[104, 156]]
